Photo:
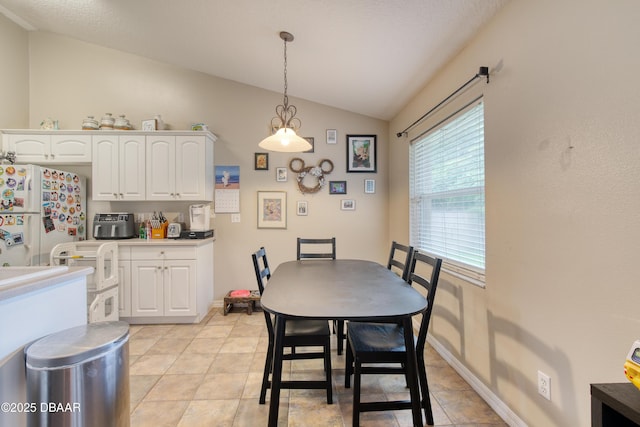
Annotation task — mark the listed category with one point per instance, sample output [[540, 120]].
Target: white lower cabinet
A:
[[166, 288], [124, 281], [167, 283]]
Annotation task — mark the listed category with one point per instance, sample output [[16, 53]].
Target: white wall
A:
[[562, 186], [14, 75], [70, 80]]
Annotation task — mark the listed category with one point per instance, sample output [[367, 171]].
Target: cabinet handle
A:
[[166, 268], [162, 253], [53, 156], [178, 195], [121, 195], [46, 156], [159, 268]]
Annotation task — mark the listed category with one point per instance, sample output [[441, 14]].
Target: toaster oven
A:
[[113, 226]]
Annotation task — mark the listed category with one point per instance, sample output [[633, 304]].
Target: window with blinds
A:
[[447, 214]]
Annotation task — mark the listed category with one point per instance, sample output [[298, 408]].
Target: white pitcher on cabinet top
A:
[[199, 217]]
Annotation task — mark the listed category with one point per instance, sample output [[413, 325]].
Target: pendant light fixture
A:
[[286, 124]]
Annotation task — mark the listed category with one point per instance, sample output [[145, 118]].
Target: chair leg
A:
[[348, 366], [340, 336], [424, 387], [268, 363], [356, 393], [327, 364]]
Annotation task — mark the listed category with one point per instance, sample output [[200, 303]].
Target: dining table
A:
[[342, 289]]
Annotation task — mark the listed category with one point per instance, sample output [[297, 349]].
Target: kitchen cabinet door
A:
[[46, 148], [179, 288], [191, 168], [161, 168], [118, 167], [105, 168], [147, 288], [70, 149], [30, 148], [124, 288], [132, 162]]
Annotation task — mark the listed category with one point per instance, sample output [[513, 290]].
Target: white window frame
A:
[[421, 193]]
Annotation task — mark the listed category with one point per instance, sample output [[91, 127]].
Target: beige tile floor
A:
[[209, 374]]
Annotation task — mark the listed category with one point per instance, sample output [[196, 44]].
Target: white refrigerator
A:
[[39, 208]]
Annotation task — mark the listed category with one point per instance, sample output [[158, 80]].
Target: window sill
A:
[[473, 277]]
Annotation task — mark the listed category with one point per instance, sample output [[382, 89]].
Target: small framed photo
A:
[[348, 205], [149, 125], [302, 209], [272, 209], [261, 161], [311, 141], [369, 186], [361, 153], [281, 174], [337, 187], [332, 136]]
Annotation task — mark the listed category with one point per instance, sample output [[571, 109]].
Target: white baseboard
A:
[[483, 391]]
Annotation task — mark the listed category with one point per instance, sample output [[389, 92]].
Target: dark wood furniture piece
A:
[[371, 344], [302, 243], [251, 300], [326, 245], [298, 333], [615, 405], [401, 260], [341, 290]]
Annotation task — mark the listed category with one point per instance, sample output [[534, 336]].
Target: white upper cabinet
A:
[[180, 167], [118, 167], [126, 165], [47, 147]]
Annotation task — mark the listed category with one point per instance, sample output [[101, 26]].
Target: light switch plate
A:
[[235, 217]]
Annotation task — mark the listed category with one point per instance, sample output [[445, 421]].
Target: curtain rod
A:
[[482, 72]]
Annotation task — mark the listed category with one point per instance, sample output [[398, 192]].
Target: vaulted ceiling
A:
[[364, 56]]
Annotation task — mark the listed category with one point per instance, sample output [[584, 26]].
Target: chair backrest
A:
[[261, 267], [263, 274], [430, 283], [321, 255], [402, 260]]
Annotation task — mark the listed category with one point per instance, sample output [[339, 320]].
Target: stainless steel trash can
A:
[[79, 377]]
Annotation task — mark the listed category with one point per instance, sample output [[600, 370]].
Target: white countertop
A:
[[24, 287], [161, 242]]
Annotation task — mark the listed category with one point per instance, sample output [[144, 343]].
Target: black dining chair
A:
[[326, 248], [372, 344], [400, 258], [298, 333]]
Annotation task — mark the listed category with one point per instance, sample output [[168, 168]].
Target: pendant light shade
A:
[[286, 140], [286, 125]]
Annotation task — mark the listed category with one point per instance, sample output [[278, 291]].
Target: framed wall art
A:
[[369, 185], [261, 161], [348, 205], [337, 187], [302, 209], [313, 144], [148, 125], [361, 153], [281, 174], [272, 209], [332, 136]]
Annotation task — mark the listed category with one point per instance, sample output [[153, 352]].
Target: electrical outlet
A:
[[544, 385]]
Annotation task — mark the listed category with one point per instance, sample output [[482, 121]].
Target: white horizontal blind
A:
[[447, 192]]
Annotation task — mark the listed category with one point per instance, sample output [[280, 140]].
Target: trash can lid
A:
[[75, 345]]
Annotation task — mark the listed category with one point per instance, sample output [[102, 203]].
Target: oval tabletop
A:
[[339, 290]]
